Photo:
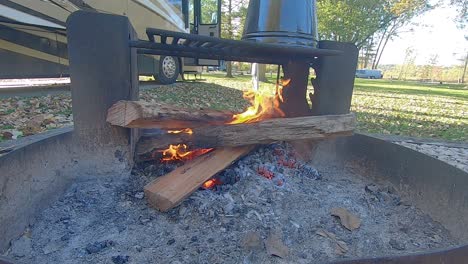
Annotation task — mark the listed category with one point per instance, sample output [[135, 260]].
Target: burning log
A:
[[168, 191], [138, 114], [267, 131]]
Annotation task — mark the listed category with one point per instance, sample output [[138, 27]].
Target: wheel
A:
[[168, 69], [372, 77]]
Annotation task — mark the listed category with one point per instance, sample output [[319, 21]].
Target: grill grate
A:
[[164, 42]]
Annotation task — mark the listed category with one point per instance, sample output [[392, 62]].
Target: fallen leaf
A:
[[348, 220], [341, 247], [326, 234], [7, 135], [252, 241], [275, 246]]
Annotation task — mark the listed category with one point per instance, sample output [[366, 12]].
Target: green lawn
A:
[[412, 109], [382, 106]]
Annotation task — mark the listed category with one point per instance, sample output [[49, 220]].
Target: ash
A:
[[271, 208]]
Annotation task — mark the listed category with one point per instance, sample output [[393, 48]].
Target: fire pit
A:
[[76, 196]]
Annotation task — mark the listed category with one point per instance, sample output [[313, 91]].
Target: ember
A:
[[211, 183], [184, 131], [180, 152], [288, 163], [266, 173]]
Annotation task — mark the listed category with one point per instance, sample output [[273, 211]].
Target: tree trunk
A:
[[230, 33], [377, 52], [263, 132], [390, 33], [464, 69], [229, 69], [262, 73]]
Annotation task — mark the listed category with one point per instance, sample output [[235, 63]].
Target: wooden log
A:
[[170, 190], [137, 114], [267, 131]]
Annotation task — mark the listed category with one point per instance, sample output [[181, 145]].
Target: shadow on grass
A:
[[452, 87], [198, 95], [398, 125], [441, 100], [416, 113], [408, 91]]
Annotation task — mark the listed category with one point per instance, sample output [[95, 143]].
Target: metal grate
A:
[[164, 42]]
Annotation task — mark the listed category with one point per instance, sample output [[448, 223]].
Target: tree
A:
[[369, 24], [462, 8], [462, 21], [232, 23], [229, 32], [400, 15], [408, 63], [430, 67], [465, 65], [350, 20]]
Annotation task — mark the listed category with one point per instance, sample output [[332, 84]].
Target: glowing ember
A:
[[211, 183], [262, 106], [185, 131], [266, 173], [181, 153], [291, 163]]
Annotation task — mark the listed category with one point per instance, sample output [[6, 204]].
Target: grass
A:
[[381, 106], [412, 109]]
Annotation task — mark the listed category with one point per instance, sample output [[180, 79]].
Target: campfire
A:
[[263, 106], [232, 187], [207, 141]]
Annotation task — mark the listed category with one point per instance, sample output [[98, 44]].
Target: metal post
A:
[[103, 70], [333, 87], [295, 93]]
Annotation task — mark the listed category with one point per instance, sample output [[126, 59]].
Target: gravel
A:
[[455, 156], [104, 220]]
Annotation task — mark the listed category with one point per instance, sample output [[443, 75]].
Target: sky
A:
[[436, 33]]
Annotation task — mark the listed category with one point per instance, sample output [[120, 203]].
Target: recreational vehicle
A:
[[33, 40]]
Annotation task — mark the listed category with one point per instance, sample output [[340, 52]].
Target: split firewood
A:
[[169, 190], [263, 132], [139, 114]]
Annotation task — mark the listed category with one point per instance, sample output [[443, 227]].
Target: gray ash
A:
[[268, 197]]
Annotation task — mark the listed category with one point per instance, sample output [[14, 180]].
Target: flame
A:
[[180, 152], [262, 106], [284, 82], [185, 131], [279, 88], [211, 183]]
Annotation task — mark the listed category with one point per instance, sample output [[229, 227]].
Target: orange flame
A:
[[185, 131], [279, 88], [180, 152], [262, 106], [211, 183]]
